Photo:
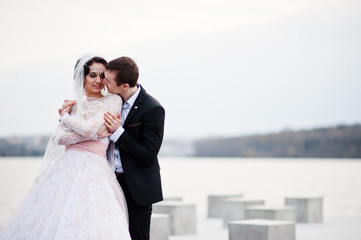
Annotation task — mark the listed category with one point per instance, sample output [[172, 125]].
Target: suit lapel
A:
[[136, 106]]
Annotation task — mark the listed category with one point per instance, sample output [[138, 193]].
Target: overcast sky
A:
[[219, 67]]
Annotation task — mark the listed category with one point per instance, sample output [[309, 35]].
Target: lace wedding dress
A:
[[76, 195]]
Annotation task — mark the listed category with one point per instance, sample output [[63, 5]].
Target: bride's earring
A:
[[104, 90]]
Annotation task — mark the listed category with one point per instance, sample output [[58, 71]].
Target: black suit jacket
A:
[[139, 145]]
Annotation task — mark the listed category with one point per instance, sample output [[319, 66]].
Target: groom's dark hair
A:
[[127, 70]]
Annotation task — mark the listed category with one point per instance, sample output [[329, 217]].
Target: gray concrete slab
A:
[[333, 228]]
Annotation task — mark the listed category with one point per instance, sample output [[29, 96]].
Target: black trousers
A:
[[139, 216]]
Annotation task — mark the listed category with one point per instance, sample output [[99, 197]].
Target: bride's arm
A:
[[66, 136], [63, 134], [89, 129], [86, 129]]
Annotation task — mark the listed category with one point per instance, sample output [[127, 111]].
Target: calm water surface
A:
[[193, 179]]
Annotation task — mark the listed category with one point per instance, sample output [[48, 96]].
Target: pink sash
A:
[[92, 146]]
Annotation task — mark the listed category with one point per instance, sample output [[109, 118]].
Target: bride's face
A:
[[94, 80]]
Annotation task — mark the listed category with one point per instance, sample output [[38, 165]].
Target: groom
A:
[[137, 136]]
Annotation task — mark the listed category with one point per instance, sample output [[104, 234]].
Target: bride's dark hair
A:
[[91, 61]]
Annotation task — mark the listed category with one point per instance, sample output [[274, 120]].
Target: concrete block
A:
[[215, 204], [260, 229], [308, 209], [182, 216], [284, 213], [235, 208], [159, 227]]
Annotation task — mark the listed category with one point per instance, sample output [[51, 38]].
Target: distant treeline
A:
[[333, 142], [23, 146]]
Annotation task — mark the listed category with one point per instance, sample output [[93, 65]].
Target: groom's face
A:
[[110, 82]]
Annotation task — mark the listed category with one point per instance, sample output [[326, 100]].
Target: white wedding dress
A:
[[77, 195]]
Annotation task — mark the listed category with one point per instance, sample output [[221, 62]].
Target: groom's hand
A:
[[112, 121]]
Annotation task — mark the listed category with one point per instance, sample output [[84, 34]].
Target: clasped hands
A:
[[112, 121]]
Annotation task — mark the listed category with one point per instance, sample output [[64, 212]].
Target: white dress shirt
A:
[[127, 106]]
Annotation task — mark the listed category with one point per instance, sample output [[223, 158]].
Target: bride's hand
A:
[[103, 132], [63, 111], [66, 107]]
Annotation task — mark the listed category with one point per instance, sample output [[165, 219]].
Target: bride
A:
[[76, 194]]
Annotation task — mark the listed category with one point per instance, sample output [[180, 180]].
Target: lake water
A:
[[193, 179]]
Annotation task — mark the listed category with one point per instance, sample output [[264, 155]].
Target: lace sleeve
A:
[[88, 129], [68, 137], [113, 104]]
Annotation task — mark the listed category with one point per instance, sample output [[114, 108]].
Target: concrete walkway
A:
[[333, 228]]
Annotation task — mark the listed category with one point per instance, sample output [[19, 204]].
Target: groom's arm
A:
[[145, 148]]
